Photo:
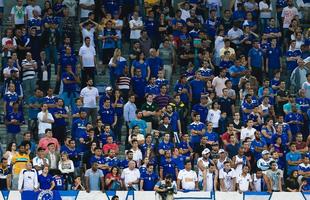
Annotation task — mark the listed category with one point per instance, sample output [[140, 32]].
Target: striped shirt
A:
[[28, 69], [124, 83], [162, 100], [19, 162]]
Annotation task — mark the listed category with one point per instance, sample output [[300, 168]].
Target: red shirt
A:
[[107, 147]]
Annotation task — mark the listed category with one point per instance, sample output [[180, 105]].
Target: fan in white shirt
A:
[[187, 178], [227, 178], [248, 131], [244, 180], [28, 179]]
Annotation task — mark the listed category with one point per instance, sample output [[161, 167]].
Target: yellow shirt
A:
[[19, 162], [151, 2]]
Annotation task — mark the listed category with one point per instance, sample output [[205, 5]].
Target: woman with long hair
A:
[[10, 152], [113, 179], [66, 167], [116, 65], [140, 63], [291, 184]]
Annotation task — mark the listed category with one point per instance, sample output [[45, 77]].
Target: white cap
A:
[[265, 152], [108, 88], [205, 151], [221, 151]]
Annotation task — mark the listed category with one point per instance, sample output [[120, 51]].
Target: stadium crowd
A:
[[206, 95]]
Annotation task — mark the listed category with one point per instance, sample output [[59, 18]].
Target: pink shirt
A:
[[45, 141]]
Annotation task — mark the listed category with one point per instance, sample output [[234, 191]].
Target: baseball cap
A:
[[221, 151], [265, 152], [108, 88], [205, 151]]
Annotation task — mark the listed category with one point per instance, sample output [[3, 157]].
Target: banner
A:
[[41, 195], [256, 195], [193, 195]]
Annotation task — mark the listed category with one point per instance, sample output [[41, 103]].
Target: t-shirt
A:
[[44, 125], [244, 182], [88, 56], [130, 175], [288, 14], [89, 97], [275, 177], [19, 14], [94, 179], [149, 181], [188, 179], [84, 12], [227, 177]]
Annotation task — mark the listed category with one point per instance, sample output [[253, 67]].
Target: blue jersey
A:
[[59, 121], [36, 23], [274, 58], [78, 127], [256, 143], [99, 160], [304, 103], [269, 133], [226, 64], [174, 121], [178, 89], [74, 155], [202, 111], [210, 26], [283, 136], [152, 89], [151, 26], [168, 167], [66, 60], [179, 23], [70, 88], [149, 181], [142, 66], [107, 115], [291, 65], [161, 82], [197, 87], [248, 106], [195, 139], [50, 100], [156, 64], [59, 182], [142, 170], [12, 128], [295, 128], [179, 161], [109, 42], [235, 69], [165, 146], [256, 56], [292, 156], [138, 86], [212, 136], [104, 135], [33, 112], [45, 181], [206, 73], [9, 99], [144, 147], [185, 146]]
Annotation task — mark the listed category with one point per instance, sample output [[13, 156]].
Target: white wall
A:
[[15, 195]]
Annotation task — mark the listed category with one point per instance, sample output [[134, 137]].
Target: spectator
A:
[[227, 178], [90, 97], [292, 184], [28, 179], [94, 178], [130, 176], [244, 180], [87, 55], [45, 120], [187, 178], [148, 179], [6, 174], [66, 168]]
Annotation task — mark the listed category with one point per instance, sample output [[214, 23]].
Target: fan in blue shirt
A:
[[107, 113], [293, 159], [79, 125], [247, 107], [152, 88], [155, 63], [138, 84], [236, 71], [185, 147], [295, 120], [291, 56], [168, 166], [258, 145], [178, 159], [197, 129], [14, 120], [59, 181], [182, 88], [46, 180], [149, 178], [197, 87]]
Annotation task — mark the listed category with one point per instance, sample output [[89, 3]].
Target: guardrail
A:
[[150, 195]]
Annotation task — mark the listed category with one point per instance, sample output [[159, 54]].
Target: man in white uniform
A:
[[187, 178]]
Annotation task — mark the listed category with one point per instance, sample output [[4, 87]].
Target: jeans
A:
[[69, 98], [168, 72], [29, 87], [92, 112], [51, 55]]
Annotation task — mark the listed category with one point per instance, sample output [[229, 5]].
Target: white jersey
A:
[[227, 178], [220, 164], [257, 182], [238, 169], [205, 164], [209, 181], [244, 182], [28, 180]]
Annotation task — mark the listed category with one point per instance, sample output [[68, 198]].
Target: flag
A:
[[41, 195]]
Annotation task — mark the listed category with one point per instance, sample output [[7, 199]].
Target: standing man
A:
[[256, 61], [90, 96], [28, 179], [5, 175], [87, 55], [187, 177], [227, 178], [45, 120], [94, 178], [29, 67]]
